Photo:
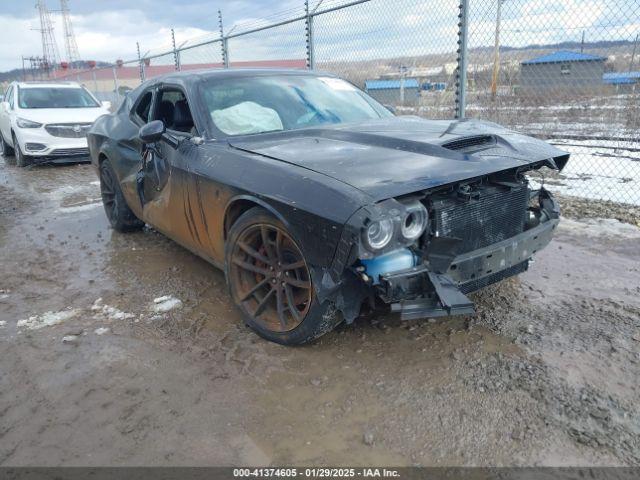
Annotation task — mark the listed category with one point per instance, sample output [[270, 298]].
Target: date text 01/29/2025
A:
[[316, 472]]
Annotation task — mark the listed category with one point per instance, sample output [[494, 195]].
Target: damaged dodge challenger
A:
[[316, 200]]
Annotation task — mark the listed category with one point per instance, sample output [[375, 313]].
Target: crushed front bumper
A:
[[422, 291]]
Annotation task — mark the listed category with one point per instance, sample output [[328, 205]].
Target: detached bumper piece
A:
[[420, 292], [444, 300]]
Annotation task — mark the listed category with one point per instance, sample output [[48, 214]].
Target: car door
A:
[[5, 115], [165, 179], [129, 146]]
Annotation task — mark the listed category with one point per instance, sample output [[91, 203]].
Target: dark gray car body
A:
[[322, 183]]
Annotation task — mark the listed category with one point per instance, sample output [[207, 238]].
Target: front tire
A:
[[21, 160], [118, 212], [270, 282]]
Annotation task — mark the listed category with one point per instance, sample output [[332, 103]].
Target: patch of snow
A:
[[599, 169], [2, 323], [95, 182], [47, 319], [109, 312], [4, 296], [601, 227], [166, 303], [69, 338], [101, 330], [79, 208]]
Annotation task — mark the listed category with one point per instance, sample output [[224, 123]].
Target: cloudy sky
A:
[[109, 29]]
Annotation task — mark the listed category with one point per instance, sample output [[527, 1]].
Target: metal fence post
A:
[[140, 62], [461, 73], [176, 54], [115, 80], [311, 64], [223, 42]]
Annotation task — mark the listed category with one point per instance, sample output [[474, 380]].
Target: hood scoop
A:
[[467, 144]]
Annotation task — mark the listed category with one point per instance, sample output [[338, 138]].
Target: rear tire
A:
[[118, 212], [270, 282], [7, 152], [21, 160]]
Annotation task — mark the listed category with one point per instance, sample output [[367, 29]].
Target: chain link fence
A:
[[567, 71], [562, 71]]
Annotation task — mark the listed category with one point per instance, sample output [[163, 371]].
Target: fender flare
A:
[[260, 202]]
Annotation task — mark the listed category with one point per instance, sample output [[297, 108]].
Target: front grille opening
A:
[[68, 130], [470, 143]]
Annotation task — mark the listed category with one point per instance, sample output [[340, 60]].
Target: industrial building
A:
[[404, 92], [562, 70], [622, 81]]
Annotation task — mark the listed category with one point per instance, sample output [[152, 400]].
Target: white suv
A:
[[48, 121]]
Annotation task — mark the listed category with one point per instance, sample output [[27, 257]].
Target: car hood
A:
[[394, 156], [62, 115]]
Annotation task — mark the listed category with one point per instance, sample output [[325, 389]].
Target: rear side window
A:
[[144, 106]]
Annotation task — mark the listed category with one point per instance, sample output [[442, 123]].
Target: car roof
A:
[[48, 84]]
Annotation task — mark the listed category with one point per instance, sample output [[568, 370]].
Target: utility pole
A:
[[496, 53], [582, 43], [70, 43], [403, 73]]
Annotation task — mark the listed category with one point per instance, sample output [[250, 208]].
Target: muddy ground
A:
[[547, 373]]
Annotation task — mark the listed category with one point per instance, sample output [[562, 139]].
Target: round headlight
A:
[[414, 222], [379, 233]]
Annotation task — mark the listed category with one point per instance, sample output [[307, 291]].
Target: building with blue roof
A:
[[563, 69], [621, 78], [388, 92]]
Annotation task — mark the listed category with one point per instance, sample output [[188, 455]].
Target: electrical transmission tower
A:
[[50, 55], [69, 37]]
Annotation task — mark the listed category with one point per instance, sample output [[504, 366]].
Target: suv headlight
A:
[[24, 123], [379, 233], [415, 221]]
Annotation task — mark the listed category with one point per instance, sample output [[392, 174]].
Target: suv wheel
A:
[[21, 159]]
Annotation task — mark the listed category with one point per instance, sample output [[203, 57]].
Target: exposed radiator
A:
[[488, 215]]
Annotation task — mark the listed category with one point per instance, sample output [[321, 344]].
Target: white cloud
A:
[[377, 29]]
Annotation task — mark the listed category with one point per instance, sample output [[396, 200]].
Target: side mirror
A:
[[152, 132], [106, 104]]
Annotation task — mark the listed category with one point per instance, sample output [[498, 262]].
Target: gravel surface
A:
[[124, 349]]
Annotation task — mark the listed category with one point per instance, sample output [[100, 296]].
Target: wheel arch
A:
[[101, 158], [241, 204]]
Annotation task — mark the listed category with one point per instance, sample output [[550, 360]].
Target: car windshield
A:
[[242, 106], [52, 97]]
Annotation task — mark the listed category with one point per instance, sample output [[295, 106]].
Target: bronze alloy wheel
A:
[[269, 277], [108, 192]]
